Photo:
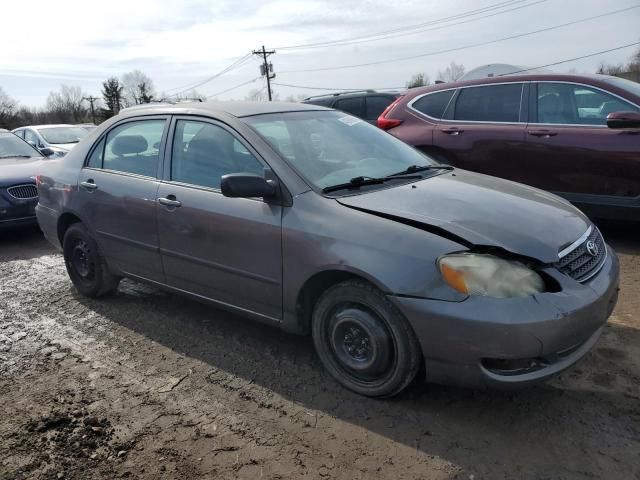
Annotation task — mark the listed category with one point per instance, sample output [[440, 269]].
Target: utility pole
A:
[[266, 69], [93, 112]]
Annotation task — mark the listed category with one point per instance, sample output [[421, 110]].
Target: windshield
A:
[[12, 146], [628, 85], [62, 134], [329, 148]]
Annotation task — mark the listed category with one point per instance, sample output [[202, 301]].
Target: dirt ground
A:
[[147, 385]]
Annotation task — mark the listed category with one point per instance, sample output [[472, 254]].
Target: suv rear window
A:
[[376, 105], [433, 104], [490, 103], [349, 105]]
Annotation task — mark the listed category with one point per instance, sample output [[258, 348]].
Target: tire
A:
[[85, 266], [363, 341]]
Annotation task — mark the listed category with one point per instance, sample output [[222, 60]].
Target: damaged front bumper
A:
[[512, 342]]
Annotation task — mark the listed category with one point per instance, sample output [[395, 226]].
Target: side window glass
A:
[[376, 105], [434, 104], [134, 147], [349, 105], [491, 103], [20, 133], [203, 153], [95, 160], [31, 137], [571, 104]]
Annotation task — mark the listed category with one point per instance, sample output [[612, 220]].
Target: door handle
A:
[[452, 130], [542, 133], [170, 201], [89, 185]]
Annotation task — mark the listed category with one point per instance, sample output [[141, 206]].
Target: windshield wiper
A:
[[15, 156], [357, 182], [421, 168]]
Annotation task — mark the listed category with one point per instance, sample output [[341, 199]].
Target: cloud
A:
[[182, 42]]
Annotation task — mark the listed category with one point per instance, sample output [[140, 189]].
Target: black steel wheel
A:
[[364, 341], [85, 266]]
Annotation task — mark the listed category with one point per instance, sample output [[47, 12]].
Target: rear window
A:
[[433, 104], [491, 103], [349, 105], [376, 105]]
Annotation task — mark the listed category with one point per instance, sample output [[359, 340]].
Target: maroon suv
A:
[[548, 131]]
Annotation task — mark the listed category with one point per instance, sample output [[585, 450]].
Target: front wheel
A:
[[85, 266], [364, 341]]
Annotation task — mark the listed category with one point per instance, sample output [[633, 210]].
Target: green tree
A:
[[112, 95]]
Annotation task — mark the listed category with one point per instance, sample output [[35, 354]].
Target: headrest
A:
[[128, 144]]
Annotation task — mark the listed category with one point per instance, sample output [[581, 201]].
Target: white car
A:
[[59, 138]]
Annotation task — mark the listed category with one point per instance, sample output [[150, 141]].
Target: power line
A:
[[233, 88], [473, 45], [504, 74], [575, 58], [236, 64], [415, 29]]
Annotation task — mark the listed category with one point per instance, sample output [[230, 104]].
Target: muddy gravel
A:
[[148, 385]]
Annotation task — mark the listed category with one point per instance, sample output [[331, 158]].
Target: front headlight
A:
[[489, 276]]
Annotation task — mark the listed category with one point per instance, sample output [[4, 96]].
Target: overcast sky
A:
[[181, 42]]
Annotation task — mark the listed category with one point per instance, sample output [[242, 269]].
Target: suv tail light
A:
[[386, 123]]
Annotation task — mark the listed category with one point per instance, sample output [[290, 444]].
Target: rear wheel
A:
[[364, 341], [86, 267]]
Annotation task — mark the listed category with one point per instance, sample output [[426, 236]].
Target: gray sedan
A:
[[316, 222]]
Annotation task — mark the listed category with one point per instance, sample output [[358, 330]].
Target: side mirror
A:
[[623, 120], [247, 185], [46, 151]]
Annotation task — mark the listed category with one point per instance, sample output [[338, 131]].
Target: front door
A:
[[118, 188], [571, 151], [224, 249], [483, 129]]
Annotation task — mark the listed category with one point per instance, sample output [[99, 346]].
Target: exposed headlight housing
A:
[[489, 276]]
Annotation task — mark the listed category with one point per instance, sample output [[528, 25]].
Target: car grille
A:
[[23, 192], [585, 260]]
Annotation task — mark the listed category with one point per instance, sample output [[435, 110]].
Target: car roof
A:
[[532, 77], [38, 127], [236, 109]]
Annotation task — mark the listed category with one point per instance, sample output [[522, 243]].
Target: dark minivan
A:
[[548, 131], [367, 104]]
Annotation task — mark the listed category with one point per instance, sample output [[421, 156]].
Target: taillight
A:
[[388, 123]]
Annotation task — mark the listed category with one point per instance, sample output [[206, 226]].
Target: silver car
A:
[[58, 139], [318, 223]]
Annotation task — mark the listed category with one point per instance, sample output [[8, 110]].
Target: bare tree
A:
[[192, 94], [296, 98], [418, 80], [137, 88], [8, 108], [260, 95], [607, 69], [452, 73], [67, 104]]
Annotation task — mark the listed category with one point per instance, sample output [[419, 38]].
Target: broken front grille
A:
[[586, 259]]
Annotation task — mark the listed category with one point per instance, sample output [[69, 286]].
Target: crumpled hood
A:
[[484, 211], [14, 171]]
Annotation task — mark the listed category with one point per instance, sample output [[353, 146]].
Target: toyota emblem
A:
[[592, 248]]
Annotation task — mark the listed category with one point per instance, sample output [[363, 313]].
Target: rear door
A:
[[118, 190], [483, 128], [225, 249], [570, 149]]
